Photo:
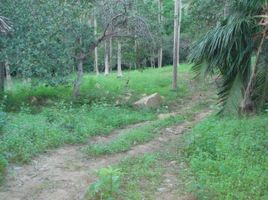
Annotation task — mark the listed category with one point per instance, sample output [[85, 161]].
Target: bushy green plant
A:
[[107, 186]]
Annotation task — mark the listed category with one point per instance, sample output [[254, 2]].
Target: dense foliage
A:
[[43, 42]]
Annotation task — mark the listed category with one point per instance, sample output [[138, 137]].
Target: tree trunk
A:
[[264, 96], [160, 50], [226, 10], [107, 65], [152, 60], [96, 57], [79, 78], [176, 43], [247, 103], [119, 61], [136, 53], [111, 53], [2, 79], [160, 57], [8, 77]]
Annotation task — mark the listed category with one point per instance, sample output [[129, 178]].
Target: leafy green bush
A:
[[229, 159]]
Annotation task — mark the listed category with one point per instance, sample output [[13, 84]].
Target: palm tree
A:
[[236, 51]]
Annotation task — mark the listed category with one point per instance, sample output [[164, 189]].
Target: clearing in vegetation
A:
[[69, 133], [149, 157]]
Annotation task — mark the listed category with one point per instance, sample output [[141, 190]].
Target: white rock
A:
[[152, 101]]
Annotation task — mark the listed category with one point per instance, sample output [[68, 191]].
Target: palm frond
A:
[[4, 25], [227, 49]]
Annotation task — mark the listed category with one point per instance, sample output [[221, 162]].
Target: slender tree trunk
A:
[[2, 79], [111, 53], [160, 57], [96, 57], [226, 9], [136, 53], [176, 43], [179, 31], [8, 76], [119, 61], [160, 50], [106, 61], [152, 60], [265, 88], [247, 103], [79, 78]]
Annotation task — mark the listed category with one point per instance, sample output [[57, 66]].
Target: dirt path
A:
[[65, 173]]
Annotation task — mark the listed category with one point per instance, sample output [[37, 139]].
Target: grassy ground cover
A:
[[228, 158], [133, 178], [133, 137]]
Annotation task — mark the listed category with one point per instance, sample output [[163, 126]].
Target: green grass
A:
[[141, 177], [133, 178], [133, 137], [147, 81], [101, 89], [26, 135], [228, 158]]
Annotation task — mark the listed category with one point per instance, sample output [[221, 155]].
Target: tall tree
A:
[[96, 56], [176, 42], [106, 58], [160, 50], [8, 76], [119, 60], [111, 53]]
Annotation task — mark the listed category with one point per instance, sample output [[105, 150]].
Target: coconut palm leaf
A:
[[4, 25]]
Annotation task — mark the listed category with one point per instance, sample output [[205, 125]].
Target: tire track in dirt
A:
[[65, 173]]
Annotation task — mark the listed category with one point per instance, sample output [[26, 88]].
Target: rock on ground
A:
[[152, 101]]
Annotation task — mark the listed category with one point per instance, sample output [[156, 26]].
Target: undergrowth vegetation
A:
[[229, 159]]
